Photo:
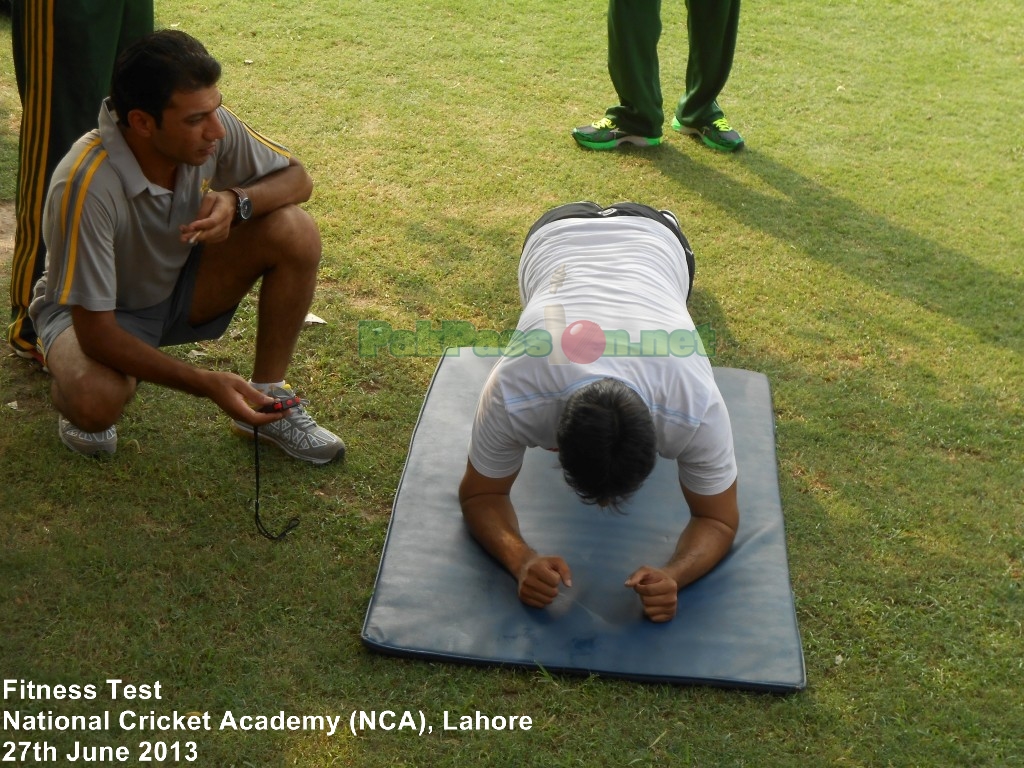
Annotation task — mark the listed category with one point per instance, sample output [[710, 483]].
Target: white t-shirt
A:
[[628, 275]]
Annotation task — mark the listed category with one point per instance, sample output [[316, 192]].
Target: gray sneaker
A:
[[296, 434], [86, 443]]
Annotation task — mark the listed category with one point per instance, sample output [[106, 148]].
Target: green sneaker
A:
[[296, 434], [605, 135], [717, 134]]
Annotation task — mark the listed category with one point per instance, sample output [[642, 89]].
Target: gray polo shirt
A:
[[112, 236]]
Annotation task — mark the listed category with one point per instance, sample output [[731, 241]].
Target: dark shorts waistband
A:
[[585, 209]]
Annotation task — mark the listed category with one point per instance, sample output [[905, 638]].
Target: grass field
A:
[[865, 252]]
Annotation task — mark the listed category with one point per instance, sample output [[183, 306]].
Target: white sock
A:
[[267, 388]]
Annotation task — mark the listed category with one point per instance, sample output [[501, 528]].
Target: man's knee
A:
[[90, 405], [294, 235], [89, 394]]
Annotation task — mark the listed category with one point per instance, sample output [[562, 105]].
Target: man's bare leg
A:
[[282, 248], [89, 394]]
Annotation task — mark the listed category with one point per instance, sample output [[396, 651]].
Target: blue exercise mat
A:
[[439, 596]]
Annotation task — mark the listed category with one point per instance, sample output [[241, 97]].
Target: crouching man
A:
[[157, 224]]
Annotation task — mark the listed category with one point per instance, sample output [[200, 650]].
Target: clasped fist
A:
[[542, 575], [540, 578], [658, 592]]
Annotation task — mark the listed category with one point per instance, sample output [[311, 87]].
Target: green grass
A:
[[864, 252]]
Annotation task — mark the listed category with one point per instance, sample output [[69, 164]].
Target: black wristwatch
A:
[[244, 210]]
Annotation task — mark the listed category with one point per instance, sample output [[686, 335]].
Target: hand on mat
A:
[[539, 579], [658, 592]]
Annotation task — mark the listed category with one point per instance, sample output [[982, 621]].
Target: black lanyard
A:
[[259, 523]]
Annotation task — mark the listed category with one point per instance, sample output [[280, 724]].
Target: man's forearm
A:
[[708, 536], [701, 546], [487, 509], [119, 350], [288, 186], [492, 522]]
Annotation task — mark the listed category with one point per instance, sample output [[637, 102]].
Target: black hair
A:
[[148, 72], [606, 442]]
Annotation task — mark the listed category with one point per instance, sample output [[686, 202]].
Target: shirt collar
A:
[[122, 157]]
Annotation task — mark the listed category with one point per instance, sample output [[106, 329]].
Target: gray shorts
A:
[[162, 325]]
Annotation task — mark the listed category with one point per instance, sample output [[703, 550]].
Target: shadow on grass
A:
[[864, 244]]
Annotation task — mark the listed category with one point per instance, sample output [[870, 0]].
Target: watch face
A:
[[244, 208]]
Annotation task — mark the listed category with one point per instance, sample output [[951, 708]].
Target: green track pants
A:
[[64, 52], [634, 28]]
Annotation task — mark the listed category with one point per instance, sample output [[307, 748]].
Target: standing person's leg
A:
[[32, 32], [712, 27], [64, 55], [634, 29], [137, 21], [88, 37]]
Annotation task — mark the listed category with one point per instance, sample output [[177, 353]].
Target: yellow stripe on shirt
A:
[[73, 184], [258, 137], [80, 195]]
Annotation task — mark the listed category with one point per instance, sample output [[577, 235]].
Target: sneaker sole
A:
[[688, 131], [246, 432], [90, 450], [637, 141], [93, 453]]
